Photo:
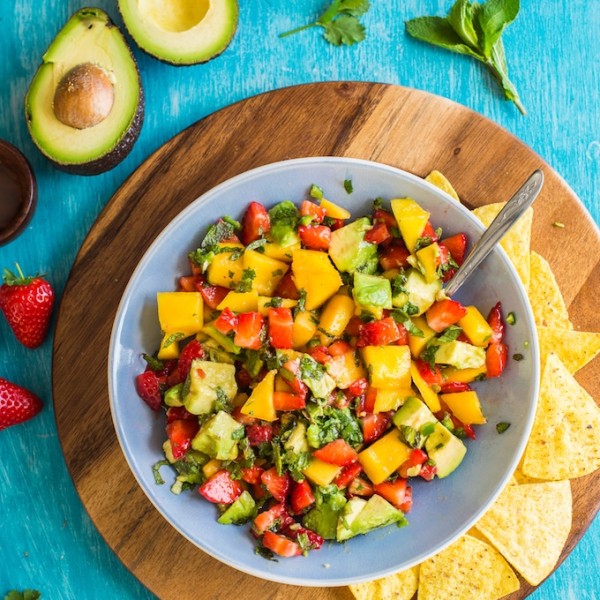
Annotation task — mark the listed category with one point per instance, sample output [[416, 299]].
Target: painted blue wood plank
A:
[[46, 539]]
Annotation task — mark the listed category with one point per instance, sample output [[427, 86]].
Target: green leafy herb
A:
[[310, 368], [398, 284], [257, 245], [174, 337], [428, 354], [340, 22], [502, 427], [284, 219], [410, 436], [449, 334], [235, 224], [377, 204], [245, 284], [348, 186], [427, 429], [223, 403], [301, 306], [156, 471], [474, 30], [216, 233], [518, 357], [153, 362], [274, 302], [329, 424], [265, 553]]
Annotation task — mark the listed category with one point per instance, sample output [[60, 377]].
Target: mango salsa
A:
[[475, 327], [411, 219], [267, 271], [180, 312], [466, 407], [227, 266], [314, 273], [384, 456], [260, 403], [388, 366]]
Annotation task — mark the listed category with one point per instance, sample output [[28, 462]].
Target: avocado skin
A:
[[180, 63], [123, 146]]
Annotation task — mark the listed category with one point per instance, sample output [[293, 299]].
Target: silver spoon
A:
[[505, 219]]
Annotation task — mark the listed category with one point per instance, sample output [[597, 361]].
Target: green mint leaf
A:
[[499, 69], [461, 19], [348, 186], [175, 337], [153, 363], [231, 221], [256, 244], [347, 30], [439, 32], [156, 471], [493, 16], [450, 334], [245, 285], [502, 427]]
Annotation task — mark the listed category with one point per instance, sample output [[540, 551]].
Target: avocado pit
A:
[[84, 96]]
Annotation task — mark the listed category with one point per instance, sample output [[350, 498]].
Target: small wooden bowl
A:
[[18, 192]]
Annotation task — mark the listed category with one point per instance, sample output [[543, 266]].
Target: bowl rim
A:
[[264, 170]]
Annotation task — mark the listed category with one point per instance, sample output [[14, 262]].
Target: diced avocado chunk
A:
[[418, 292], [371, 290], [284, 219], [445, 449], [173, 395], [207, 381], [460, 355], [349, 251], [322, 520], [221, 339], [345, 521], [216, 353], [240, 511], [168, 450], [297, 441], [314, 376], [413, 413], [218, 437], [376, 512]]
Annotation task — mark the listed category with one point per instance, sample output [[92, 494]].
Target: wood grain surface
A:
[[389, 124]]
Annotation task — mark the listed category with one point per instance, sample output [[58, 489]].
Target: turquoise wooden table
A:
[[47, 541]]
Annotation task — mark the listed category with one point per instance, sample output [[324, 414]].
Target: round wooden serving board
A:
[[404, 128]]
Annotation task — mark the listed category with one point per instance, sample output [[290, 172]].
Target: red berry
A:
[[16, 404], [27, 305], [148, 388]]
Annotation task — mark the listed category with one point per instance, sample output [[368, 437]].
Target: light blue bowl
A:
[[443, 509]]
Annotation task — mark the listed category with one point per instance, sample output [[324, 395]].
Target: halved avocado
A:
[[181, 32], [85, 105]]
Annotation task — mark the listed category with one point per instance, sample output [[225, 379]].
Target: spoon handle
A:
[[505, 219]]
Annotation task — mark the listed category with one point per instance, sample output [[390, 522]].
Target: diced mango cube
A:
[[475, 327], [416, 343], [260, 403], [283, 253], [335, 317], [267, 271], [451, 374], [334, 211], [211, 467], [320, 472], [314, 273], [180, 312], [466, 407], [411, 219], [227, 266], [265, 302], [240, 301], [345, 369], [304, 328], [431, 398], [391, 398], [384, 456], [169, 348], [429, 260], [388, 366]]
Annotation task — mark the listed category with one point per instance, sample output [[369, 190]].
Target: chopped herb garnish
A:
[[235, 224], [450, 334], [316, 192], [154, 363], [174, 337], [257, 244], [502, 427], [427, 429], [274, 302], [348, 186], [156, 471], [265, 553], [216, 234], [428, 355], [511, 318], [518, 357], [245, 285], [277, 273], [310, 368]]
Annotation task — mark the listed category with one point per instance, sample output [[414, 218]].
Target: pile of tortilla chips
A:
[[528, 526]]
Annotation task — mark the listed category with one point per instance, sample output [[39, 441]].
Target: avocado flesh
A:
[[445, 449], [88, 37], [178, 31]]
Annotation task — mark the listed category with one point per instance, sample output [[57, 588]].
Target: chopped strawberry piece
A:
[[443, 313], [394, 256], [315, 237], [320, 354], [381, 333], [339, 347], [289, 401], [190, 352], [452, 387], [220, 488], [393, 491], [148, 388], [275, 517], [180, 435], [290, 371], [310, 209], [428, 471], [252, 474], [496, 357], [359, 387], [408, 500], [315, 541], [374, 425], [431, 376], [429, 232], [384, 216], [255, 223], [496, 322], [242, 418], [353, 327], [302, 496], [180, 413], [416, 457], [338, 452], [348, 474], [227, 321], [278, 485], [259, 434], [360, 487], [188, 284], [248, 332], [457, 246], [280, 545], [212, 295], [286, 288], [281, 325], [379, 234], [368, 405]]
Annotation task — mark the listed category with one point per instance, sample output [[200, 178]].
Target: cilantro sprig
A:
[[474, 30], [340, 22]]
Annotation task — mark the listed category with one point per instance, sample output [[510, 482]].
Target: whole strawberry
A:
[[16, 404], [27, 305]]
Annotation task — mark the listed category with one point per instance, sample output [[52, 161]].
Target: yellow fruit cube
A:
[[320, 472], [283, 253], [264, 301], [227, 265], [390, 399], [388, 366], [169, 347], [451, 374], [211, 467], [384, 456], [304, 328], [429, 260], [345, 369], [411, 219], [267, 271], [429, 396], [475, 327], [334, 211], [260, 403], [314, 273], [335, 317], [415, 343], [180, 312], [240, 301], [466, 407]]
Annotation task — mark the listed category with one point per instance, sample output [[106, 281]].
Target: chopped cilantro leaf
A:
[[348, 186], [154, 363], [245, 285], [174, 337], [502, 427], [450, 334], [156, 471]]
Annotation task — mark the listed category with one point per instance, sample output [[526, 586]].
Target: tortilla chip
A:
[[529, 524], [521, 478], [574, 348], [436, 178], [565, 439], [400, 586], [516, 241], [547, 303], [467, 569]]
